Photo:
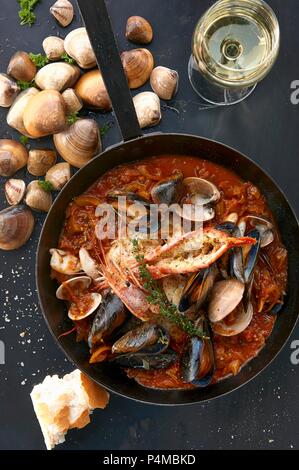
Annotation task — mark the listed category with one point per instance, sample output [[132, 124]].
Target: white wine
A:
[[236, 42]]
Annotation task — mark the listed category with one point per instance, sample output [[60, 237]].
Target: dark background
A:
[[263, 414]]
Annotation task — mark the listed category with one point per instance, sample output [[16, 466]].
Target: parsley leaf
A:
[[39, 60], [73, 117], [46, 186], [26, 14], [67, 58]]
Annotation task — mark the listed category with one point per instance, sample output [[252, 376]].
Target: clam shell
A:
[[14, 191], [225, 297], [139, 30], [53, 47], [72, 100], [59, 175], [38, 199], [40, 161], [77, 45], [241, 321], [21, 67], [202, 191], [13, 157], [79, 143], [9, 90], [16, 226], [63, 12], [138, 65], [57, 76], [92, 91], [164, 82], [148, 110], [15, 117]]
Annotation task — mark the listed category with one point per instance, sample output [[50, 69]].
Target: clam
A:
[[77, 45], [79, 143], [263, 226], [40, 161], [57, 76], [45, 114], [16, 227], [21, 67], [236, 322], [148, 110], [200, 191], [72, 100], [110, 316], [164, 82], [13, 157], [89, 266], [139, 30], [59, 175], [15, 117], [63, 12], [225, 297], [147, 338], [53, 47], [92, 91], [146, 361], [138, 65], [9, 89], [37, 198], [14, 190], [82, 303], [168, 191], [64, 263]]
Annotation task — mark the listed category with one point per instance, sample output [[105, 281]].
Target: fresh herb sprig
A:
[[67, 58], [26, 13], [39, 60], [105, 128], [46, 186], [25, 85], [73, 117], [24, 139], [156, 296]]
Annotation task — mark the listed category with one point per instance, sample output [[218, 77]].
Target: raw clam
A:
[[168, 191], [15, 117], [57, 76], [77, 45], [40, 161], [138, 65], [59, 175], [53, 47], [82, 303], [139, 30], [37, 198], [21, 67], [72, 100], [16, 226], [13, 157], [89, 265], [45, 114], [164, 82], [225, 297], [79, 143], [63, 12], [14, 191], [146, 338], [64, 263], [92, 91], [9, 89], [148, 110]]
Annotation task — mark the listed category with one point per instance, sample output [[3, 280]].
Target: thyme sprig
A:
[[156, 296]]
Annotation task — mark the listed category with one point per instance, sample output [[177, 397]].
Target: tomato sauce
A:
[[270, 279]]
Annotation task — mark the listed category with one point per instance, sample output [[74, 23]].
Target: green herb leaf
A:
[[39, 60], [25, 85], [105, 128], [46, 186], [26, 14], [73, 117], [156, 296], [24, 139], [67, 58]]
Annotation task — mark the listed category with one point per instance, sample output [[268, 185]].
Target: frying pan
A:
[[135, 146]]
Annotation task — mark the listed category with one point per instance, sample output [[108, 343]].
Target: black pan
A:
[[136, 147]]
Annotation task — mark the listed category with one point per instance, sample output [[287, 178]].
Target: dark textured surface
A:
[[263, 414]]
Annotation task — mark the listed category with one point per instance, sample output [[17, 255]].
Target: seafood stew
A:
[[180, 310]]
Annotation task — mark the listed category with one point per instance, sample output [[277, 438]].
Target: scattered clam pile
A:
[[45, 99]]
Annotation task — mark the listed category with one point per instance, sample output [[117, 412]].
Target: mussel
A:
[[110, 315], [198, 288], [146, 361], [147, 338], [169, 190]]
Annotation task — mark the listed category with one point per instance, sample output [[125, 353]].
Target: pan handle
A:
[[98, 25]]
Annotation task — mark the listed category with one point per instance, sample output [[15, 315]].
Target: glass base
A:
[[214, 94]]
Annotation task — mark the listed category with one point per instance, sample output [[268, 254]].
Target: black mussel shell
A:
[[198, 289], [252, 256], [133, 197], [168, 191], [236, 259], [146, 361], [227, 227], [146, 338]]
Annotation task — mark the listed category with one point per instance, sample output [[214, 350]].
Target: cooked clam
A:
[[79, 143], [15, 117], [53, 47], [13, 157], [77, 45], [236, 322], [72, 100], [45, 114], [63, 12], [59, 175], [14, 190], [263, 226], [37, 198], [57, 76], [82, 303], [9, 89], [89, 265], [92, 91], [200, 191], [169, 190], [225, 297], [21, 67], [164, 82], [64, 263], [16, 226], [138, 65], [148, 110], [40, 161], [139, 30]]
